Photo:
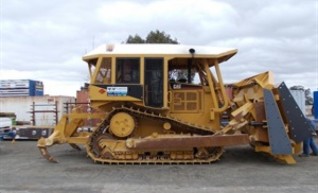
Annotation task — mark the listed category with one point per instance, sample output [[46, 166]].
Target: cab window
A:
[[128, 70], [104, 73], [92, 67]]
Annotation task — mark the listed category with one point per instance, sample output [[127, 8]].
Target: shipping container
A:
[[229, 91], [315, 105], [21, 87], [32, 133], [22, 107]]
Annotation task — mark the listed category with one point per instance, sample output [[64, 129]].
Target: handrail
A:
[[210, 82], [216, 108], [221, 84]]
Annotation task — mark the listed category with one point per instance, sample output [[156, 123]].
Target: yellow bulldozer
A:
[[168, 104]]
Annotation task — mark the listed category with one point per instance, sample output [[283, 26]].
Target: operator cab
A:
[[148, 74]]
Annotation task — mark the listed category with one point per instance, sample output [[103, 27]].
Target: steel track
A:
[[94, 150]]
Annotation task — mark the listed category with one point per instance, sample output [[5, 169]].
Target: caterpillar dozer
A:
[[168, 104]]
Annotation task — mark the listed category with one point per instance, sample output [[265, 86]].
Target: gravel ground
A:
[[23, 170]]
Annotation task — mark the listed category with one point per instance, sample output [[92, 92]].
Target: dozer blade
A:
[[298, 124]]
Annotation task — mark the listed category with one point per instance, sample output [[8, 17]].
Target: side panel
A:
[[299, 126], [192, 104], [278, 138]]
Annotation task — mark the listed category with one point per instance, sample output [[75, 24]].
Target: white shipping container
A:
[[299, 96], [22, 107]]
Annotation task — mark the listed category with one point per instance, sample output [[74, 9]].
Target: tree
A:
[[159, 37], [134, 39]]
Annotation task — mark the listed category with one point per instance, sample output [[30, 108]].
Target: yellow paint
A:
[[200, 106]]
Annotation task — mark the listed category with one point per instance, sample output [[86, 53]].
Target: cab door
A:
[[153, 89]]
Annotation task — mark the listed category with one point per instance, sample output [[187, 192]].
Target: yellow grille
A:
[[192, 96], [187, 101], [191, 106], [179, 107]]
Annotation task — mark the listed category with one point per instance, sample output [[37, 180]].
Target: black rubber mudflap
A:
[[278, 138], [298, 124]]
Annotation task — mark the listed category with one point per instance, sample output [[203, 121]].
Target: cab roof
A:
[[161, 50]]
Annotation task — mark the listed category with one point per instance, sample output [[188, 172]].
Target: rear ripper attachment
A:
[[68, 130]]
